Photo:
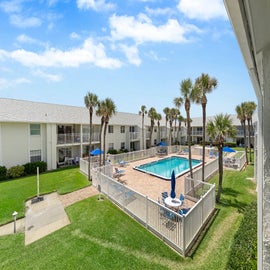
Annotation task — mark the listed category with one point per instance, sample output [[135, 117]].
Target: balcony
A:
[[134, 136], [75, 138]]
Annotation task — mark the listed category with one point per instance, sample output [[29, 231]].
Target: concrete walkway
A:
[[46, 216]]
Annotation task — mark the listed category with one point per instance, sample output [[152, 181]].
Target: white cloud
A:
[[89, 53], [141, 29], [22, 22], [26, 39], [158, 11], [11, 6], [4, 83], [97, 5], [47, 76], [202, 9], [74, 35], [132, 54]]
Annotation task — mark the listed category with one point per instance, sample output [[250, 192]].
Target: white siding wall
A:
[[15, 144]]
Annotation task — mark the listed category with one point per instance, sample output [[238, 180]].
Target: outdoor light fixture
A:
[[14, 217]]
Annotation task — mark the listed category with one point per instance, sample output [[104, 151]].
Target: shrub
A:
[[15, 171], [31, 167], [3, 173], [112, 151], [243, 254]]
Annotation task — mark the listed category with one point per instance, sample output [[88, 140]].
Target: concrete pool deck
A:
[[150, 185]]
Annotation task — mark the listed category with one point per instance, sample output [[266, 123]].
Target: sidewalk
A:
[[46, 216]]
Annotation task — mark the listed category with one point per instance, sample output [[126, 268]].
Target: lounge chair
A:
[[121, 163], [118, 173]]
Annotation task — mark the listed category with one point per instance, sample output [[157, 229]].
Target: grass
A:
[[14, 193], [101, 236]]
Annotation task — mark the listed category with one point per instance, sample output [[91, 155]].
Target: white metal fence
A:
[[178, 231]]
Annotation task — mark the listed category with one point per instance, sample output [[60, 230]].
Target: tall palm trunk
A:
[[249, 140], [143, 140], [90, 143], [220, 168], [245, 141], [100, 138], [203, 138], [104, 141], [189, 142]]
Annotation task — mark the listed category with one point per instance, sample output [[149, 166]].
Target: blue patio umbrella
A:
[[162, 144], [96, 152], [228, 149], [173, 185]]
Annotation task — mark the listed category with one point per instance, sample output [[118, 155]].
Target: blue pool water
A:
[[163, 168]]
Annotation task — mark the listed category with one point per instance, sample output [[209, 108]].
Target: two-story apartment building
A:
[[34, 131]]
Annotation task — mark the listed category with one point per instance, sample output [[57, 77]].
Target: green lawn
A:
[[101, 236], [14, 193]]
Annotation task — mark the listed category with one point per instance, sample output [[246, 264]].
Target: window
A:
[[111, 146], [34, 129], [123, 145], [110, 129], [131, 129], [35, 155], [122, 129]]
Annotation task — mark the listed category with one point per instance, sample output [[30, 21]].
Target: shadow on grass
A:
[[229, 199]]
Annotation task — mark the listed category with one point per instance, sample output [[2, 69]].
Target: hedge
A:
[[31, 167], [243, 254]]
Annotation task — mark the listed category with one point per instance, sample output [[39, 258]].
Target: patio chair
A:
[[121, 163], [182, 198], [118, 173], [184, 211]]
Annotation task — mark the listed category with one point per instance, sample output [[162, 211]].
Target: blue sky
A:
[[136, 52]]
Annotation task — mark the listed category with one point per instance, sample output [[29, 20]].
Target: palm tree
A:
[[158, 118], [152, 114], [143, 112], [204, 85], [242, 116], [101, 112], [166, 111], [250, 109], [178, 102], [109, 111], [180, 119], [218, 129], [91, 102], [188, 92]]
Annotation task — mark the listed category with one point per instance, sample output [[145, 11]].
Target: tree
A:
[[109, 111], [242, 116], [101, 112], [218, 129], [143, 112], [188, 93], [250, 109], [152, 114], [166, 111], [180, 119], [158, 118], [91, 102], [178, 102], [204, 85]]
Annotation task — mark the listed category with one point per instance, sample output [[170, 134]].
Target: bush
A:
[[112, 151], [243, 254], [31, 167], [3, 173], [15, 171]]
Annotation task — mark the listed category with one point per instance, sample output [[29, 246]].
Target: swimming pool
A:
[[163, 168]]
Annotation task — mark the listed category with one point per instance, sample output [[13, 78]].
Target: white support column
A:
[[263, 173]]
